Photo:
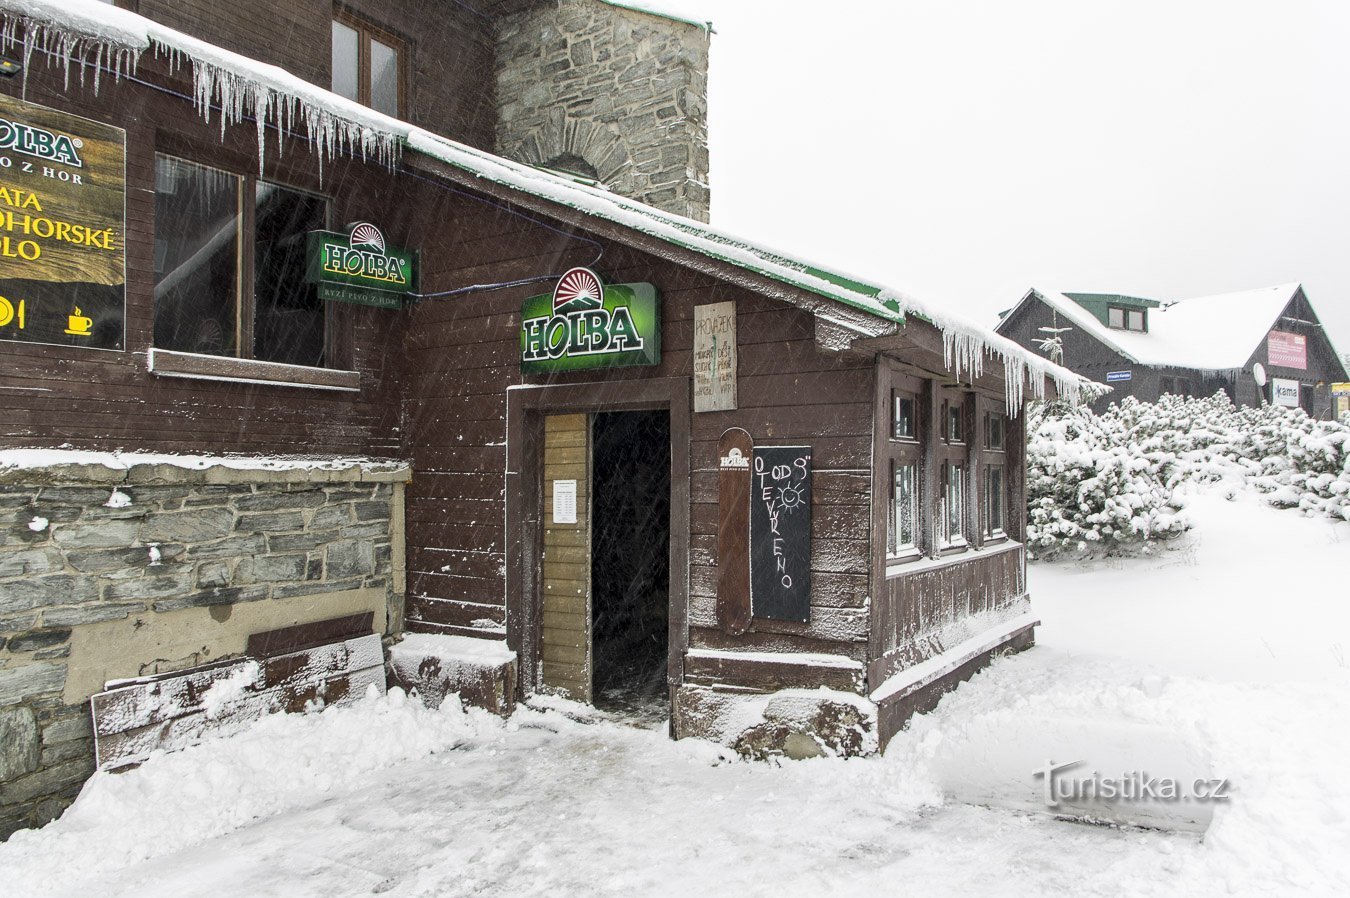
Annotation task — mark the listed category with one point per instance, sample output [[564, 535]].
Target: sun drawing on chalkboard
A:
[[790, 497]]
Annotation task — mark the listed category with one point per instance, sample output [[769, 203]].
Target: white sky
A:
[[963, 150]]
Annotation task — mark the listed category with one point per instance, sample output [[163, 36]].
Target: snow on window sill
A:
[[897, 568], [167, 363]]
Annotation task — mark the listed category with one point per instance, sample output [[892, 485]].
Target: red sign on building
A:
[[1287, 350]]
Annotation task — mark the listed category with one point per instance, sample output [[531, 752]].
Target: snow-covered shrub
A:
[[1106, 484], [1091, 490]]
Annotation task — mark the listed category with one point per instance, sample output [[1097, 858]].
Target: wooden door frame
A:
[[526, 407]]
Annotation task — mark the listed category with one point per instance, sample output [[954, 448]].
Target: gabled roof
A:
[[1207, 332], [87, 32]]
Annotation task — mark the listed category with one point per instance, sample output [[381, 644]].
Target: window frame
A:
[[904, 451], [171, 362], [366, 31], [993, 457], [1126, 313]]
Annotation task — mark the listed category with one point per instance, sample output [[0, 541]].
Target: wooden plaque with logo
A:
[[734, 451]]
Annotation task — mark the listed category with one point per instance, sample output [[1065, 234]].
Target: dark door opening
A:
[[630, 560]]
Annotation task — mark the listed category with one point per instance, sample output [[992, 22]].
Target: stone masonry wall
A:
[[110, 573], [624, 91]]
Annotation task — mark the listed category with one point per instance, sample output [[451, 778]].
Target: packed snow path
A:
[[1238, 640]]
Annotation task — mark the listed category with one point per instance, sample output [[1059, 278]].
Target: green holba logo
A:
[[363, 256], [586, 324]]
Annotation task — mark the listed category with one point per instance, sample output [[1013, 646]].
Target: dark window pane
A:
[[345, 61], [383, 78], [288, 324], [196, 257], [993, 502], [993, 430], [903, 424], [955, 423]]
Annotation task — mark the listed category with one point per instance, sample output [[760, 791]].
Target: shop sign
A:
[[62, 226], [1287, 350], [780, 533], [715, 357], [357, 267], [585, 324], [1284, 392], [1115, 377]]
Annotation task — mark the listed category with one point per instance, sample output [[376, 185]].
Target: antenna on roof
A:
[[1053, 344]]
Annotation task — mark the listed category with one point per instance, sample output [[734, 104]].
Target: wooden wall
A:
[[463, 354], [451, 83], [99, 399]]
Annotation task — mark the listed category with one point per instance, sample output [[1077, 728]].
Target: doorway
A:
[[606, 559], [630, 559], [551, 617]]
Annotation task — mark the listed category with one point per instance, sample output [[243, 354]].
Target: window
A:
[[952, 507], [904, 424], [953, 470], [368, 65], [993, 431], [993, 502], [1125, 319], [230, 274], [954, 418], [904, 512], [903, 539]]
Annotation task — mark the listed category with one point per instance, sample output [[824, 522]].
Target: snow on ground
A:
[[1234, 643]]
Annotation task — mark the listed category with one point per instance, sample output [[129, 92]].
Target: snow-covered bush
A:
[[1093, 491], [1107, 484]]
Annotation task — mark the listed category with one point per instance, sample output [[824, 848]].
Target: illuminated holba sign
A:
[[357, 267], [586, 324]]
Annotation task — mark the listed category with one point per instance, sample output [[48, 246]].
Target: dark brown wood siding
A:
[[463, 354], [97, 399], [451, 52]]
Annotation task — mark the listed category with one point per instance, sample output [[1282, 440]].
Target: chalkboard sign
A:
[[780, 533]]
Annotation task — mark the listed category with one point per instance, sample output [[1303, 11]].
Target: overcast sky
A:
[[964, 151]]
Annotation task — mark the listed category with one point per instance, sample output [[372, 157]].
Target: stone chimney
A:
[[609, 93]]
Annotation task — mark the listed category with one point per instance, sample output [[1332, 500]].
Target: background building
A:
[[1265, 345]]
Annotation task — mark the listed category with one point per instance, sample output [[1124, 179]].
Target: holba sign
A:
[[357, 267], [585, 324]]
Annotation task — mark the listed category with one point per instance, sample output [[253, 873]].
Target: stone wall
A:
[[624, 92], [118, 572]]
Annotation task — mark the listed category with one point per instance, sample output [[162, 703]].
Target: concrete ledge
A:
[[481, 671], [41, 467], [924, 692]]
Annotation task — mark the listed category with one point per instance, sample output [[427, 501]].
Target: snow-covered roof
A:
[[88, 33], [1211, 333], [664, 10]]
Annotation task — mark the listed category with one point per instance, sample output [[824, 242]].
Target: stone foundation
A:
[[792, 723], [122, 569]]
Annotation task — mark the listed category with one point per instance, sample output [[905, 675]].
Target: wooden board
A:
[[733, 531], [172, 711], [565, 637]]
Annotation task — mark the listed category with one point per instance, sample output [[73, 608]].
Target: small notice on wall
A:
[[564, 501], [780, 533], [715, 357], [62, 211]]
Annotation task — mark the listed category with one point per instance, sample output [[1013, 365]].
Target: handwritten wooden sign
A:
[[780, 533]]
